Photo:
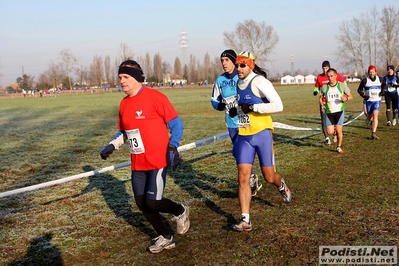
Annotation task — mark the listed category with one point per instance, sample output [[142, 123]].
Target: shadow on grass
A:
[[117, 198], [303, 141], [195, 182], [115, 195], [41, 252]]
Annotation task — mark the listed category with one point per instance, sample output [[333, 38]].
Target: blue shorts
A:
[[246, 147], [335, 119], [373, 106], [150, 183], [233, 133]]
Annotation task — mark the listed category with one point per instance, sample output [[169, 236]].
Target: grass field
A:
[[338, 199]]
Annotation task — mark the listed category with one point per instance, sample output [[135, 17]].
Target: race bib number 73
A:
[[135, 141]]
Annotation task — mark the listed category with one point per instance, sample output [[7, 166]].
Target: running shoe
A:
[[183, 221], [388, 123], [255, 184], [374, 136], [242, 225], [161, 243], [394, 122], [328, 141], [339, 150], [285, 192]]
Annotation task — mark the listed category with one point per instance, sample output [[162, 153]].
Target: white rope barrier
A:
[[357, 117], [185, 147], [285, 126], [109, 168]]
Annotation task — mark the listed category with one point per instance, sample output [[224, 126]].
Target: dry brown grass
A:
[[348, 199]]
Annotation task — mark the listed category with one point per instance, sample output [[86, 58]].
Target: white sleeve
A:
[[216, 95], [118, 140], [266, 90]]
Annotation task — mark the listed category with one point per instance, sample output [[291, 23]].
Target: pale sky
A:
[[32, 33]]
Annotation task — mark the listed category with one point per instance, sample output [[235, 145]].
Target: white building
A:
[[299, 79], [310, 79], [287, 80]]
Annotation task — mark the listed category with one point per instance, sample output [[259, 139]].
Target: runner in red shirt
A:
[[321, 80], [144, 118]]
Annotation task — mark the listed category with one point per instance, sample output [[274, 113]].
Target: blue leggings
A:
[[261, 144]]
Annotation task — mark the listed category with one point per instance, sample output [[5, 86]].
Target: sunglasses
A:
[[241, 65]]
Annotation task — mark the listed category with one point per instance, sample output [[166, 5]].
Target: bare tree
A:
[[25, 82], [166, 68], [68, 64], [125, 52], [96, 71], [258, 38], [147, 66], [157, 67], [82, 75], [177, 69], [140, 60], [199, 73], [389, 35], [191, 73], [107, 69], [371, 39], [207, 67], [54, 74], [43, 81], [115, 71], [350, 46]]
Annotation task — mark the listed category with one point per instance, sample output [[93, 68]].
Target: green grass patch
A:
[[338, 199]]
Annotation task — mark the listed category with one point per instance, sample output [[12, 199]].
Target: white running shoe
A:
[[183, 221], [394, 122], [242, 225], [285, 192], [339, 150], [161, 243]]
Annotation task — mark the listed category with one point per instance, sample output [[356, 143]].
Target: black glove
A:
[[246, 108], [315, 93], [366, 98], [233, 112], [106, 151], [221, 106], [382, 93], [173, 157]]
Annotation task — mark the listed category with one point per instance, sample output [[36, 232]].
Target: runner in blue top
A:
[[371, 89], [224, 97], [391, 97]]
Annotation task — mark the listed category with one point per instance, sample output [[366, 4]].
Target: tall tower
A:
[[183, 46], [292, 65]]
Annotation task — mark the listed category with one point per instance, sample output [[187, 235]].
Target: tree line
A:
[[372, 38]]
